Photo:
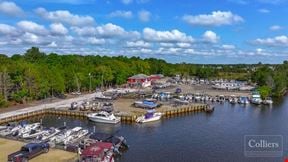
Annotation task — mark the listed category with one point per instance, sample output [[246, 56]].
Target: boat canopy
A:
[[97, 148]]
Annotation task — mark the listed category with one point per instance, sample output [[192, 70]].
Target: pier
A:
[[124, 116]]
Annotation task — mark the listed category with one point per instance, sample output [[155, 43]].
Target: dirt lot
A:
[[9, 146]]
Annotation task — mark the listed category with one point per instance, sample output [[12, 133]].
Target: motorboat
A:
[[101, 96], [268, 101], [150, 116], [26, 129], [76, 136], [233, 99], [256, 98], [104, 117], [180, 102], [51, 132], [65, 134], [146, 104], [34, 133], [243, 100]]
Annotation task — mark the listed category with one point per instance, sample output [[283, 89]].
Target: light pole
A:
[[90, 82]]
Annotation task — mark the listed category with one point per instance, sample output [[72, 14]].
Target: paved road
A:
[[58, 104]]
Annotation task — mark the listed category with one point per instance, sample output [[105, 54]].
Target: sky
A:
[[198, 31]]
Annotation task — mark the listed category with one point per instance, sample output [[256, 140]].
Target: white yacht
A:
[[256, 98], [104, 117], [150, 116]]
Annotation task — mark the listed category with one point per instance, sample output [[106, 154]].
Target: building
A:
[[142, 80]]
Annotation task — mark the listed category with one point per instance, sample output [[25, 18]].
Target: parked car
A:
[[28, 152]]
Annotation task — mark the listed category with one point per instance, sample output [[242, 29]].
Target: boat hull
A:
[[101, 120], [142, 119]]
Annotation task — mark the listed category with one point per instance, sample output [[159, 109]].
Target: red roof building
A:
[[143, 80], [98, 152]]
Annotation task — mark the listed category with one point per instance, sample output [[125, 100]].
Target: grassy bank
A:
[[9, 146]]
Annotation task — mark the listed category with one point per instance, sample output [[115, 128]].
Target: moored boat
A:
[[104, 117], [256, 98], [268, 101], [150, 116]]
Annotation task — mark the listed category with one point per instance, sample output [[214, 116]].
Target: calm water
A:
[[197, 136]]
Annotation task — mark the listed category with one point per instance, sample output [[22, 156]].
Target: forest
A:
[[36, 75]]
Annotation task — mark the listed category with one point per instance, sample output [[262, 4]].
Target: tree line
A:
[[36, 75]]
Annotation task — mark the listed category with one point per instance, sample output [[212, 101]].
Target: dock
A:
[[82, 114]]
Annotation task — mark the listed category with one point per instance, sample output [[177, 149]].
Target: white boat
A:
[[104, 117], [33, 134], [256, 98], [268, 101], [62, 136], [150, 116], [49, 134], [28, 128], [243, 100], [76, 136]]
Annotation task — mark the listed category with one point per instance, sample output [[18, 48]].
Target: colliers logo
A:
[[263, 145], [254, 143]]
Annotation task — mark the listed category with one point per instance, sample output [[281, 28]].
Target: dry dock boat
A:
[[150, 116]]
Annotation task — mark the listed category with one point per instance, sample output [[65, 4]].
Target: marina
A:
[[181, 128], [114, 108]]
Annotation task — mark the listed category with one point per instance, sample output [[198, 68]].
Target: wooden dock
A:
[[82, 114]]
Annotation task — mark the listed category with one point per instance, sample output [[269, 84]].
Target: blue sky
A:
[[200, 31]]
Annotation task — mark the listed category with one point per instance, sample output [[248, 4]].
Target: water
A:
[[197, 136]]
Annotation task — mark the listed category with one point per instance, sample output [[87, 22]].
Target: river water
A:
[[196, 136]]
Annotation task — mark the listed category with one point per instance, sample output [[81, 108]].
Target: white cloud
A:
[[52, 45], [228, 47], [58, 29], [183, 45], [150, 34], [275, 28], [32, 27], [84, 31], [8, 30], [264, 10], [276, 41], [30, 38], [121, 14], [216, 18], [110, 30], [126, 1], [10, 8], [210, 37], [138, 44], [106, 31], [65, 16], [144, 15], [275, 2], [95, 41]]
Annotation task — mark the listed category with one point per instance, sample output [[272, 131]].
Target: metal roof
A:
[[139, 76]]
